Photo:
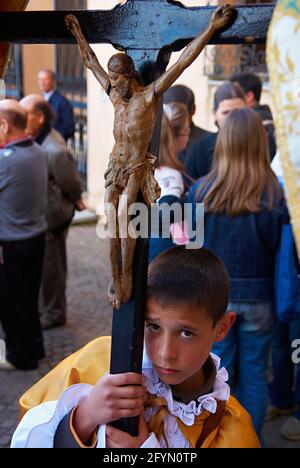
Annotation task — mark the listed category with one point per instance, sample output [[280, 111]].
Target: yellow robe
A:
[[91, 362]]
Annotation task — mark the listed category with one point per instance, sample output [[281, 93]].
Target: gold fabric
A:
[[91, 362], [5, 48], [284, 68], [85, 366], [93, 441], [235, 430]]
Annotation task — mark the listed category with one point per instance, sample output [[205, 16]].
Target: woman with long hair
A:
[[244, 212], [241, 169], [175, 133]]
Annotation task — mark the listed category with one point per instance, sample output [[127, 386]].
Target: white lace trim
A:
[[37, 428], [187, 413]]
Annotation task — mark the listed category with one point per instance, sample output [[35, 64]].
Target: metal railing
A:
[[70, 75], [14, 75]]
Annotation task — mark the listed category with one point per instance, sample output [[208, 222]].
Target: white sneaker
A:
[[291, 429], [7, 366]]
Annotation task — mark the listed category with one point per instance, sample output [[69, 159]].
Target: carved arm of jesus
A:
[[220, 18]]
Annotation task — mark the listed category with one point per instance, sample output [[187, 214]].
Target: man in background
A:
[[252, 87], [64, 116], [23, 194], [64, 196]]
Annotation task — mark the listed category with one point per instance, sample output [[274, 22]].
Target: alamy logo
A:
[[2, 351], [296, 353], [185, 223]]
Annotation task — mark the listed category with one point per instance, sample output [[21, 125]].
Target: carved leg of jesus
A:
[[128, 243], [111, 207]]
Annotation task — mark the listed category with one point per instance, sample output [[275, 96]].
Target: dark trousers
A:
[[53, 308], [20, 278], [285, 388]]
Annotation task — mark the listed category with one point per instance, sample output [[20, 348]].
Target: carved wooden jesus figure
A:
[[131, 167]]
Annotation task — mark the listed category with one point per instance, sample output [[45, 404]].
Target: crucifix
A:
[[148, 31]]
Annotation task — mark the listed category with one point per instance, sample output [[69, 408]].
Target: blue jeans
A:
[[285, 388], [245, 354]]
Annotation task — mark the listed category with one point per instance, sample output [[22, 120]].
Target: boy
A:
[[182, 399]]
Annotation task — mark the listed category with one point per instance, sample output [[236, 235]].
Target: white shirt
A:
[[276, 165], [49, 95], [170, 181]]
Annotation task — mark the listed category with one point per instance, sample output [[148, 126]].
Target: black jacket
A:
[[64, 117], [200, 156], [197, 133]]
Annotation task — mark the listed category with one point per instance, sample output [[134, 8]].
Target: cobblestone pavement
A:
[[89, 316]]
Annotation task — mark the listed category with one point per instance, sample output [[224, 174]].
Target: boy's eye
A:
[[153, 327], [186, 334]]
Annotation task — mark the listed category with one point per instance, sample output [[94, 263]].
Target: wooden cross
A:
[[149, 31]]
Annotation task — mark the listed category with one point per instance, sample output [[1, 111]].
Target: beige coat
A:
[[64, 188]]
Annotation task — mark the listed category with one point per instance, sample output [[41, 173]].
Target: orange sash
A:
[[203, 425]]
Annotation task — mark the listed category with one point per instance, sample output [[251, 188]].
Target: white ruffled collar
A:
[[187, 413]]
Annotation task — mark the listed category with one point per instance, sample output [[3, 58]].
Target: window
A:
[[71, 80], [222, 61], [14, 77]]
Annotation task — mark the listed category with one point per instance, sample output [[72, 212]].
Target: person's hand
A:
[[119, 439], [113, 397], [221, 16], [80, 206]]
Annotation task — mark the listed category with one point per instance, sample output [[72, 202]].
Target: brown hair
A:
[[249, 82], [45, 108], [182, 94], [190, 278], [241, 168], [123, 65], [228, 90], [174, 118], [168, 151]]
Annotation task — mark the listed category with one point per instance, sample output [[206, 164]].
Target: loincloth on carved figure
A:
[[117, 177]]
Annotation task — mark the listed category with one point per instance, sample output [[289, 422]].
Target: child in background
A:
[[182, 399], [175, 131], [244, 213], [180, 121]]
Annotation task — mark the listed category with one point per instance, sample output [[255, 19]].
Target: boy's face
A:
[[226, 107], [179, 341]]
